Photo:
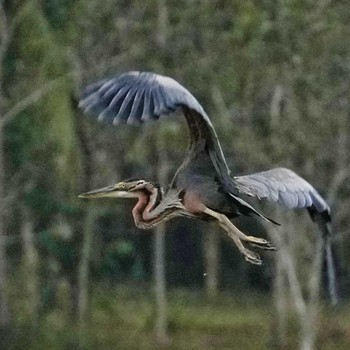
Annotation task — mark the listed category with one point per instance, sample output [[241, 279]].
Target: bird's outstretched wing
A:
[[136, 97], [283, 186], [286, 187]]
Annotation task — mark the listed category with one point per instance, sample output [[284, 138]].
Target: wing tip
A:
[[166, 94]]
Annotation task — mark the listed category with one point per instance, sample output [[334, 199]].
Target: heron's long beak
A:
[[108, 192]]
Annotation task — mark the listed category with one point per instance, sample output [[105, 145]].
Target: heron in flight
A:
[[203, 186]]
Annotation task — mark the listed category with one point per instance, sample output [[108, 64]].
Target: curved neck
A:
[[149, 198]]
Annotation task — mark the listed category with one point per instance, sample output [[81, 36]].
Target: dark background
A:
[[274, 78]]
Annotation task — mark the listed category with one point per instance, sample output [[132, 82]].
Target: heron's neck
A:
[[149, 198], [156, 195]]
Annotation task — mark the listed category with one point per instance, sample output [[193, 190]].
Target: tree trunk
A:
[[279, 324], [4, 306], [309, 327], [84, 264], [161, 323], [160, 327], [89, 218], [289, 262], [30, 267], [211, 261]]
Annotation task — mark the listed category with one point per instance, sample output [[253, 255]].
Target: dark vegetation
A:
[[274, 78]]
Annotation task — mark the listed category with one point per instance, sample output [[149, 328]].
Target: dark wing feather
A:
[[163, 95], [136, 97]]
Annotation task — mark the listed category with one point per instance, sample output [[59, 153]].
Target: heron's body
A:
[[202, 186], [200, 183]]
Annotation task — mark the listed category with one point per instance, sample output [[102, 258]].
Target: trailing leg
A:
[[232, 231]]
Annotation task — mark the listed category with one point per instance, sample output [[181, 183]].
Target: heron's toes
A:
[[260, 243], [252, 257]]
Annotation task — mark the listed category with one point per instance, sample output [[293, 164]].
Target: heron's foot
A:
[[251, 257], [260, 243]]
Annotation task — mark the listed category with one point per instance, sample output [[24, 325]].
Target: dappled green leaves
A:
[[272, 75]]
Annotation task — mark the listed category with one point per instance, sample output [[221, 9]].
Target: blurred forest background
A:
[[274, 75]]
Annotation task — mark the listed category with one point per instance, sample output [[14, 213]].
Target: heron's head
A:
[[123, 189]]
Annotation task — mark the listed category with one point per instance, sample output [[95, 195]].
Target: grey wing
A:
[[137, 97], [283, 186], [286, 187]]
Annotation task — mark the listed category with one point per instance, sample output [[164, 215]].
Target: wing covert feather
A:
[[283, 186]]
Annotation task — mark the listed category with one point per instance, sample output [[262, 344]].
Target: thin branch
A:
[[162, 33], [29, 100]]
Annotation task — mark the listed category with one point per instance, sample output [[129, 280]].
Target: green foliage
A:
[[123, 317], [44, 60], [58, 12], [273, 76]]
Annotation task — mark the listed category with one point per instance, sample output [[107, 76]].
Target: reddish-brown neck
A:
[[148, 198], [140, 207]]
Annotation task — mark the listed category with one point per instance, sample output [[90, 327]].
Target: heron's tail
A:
[[323, 221], [247, 209]]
